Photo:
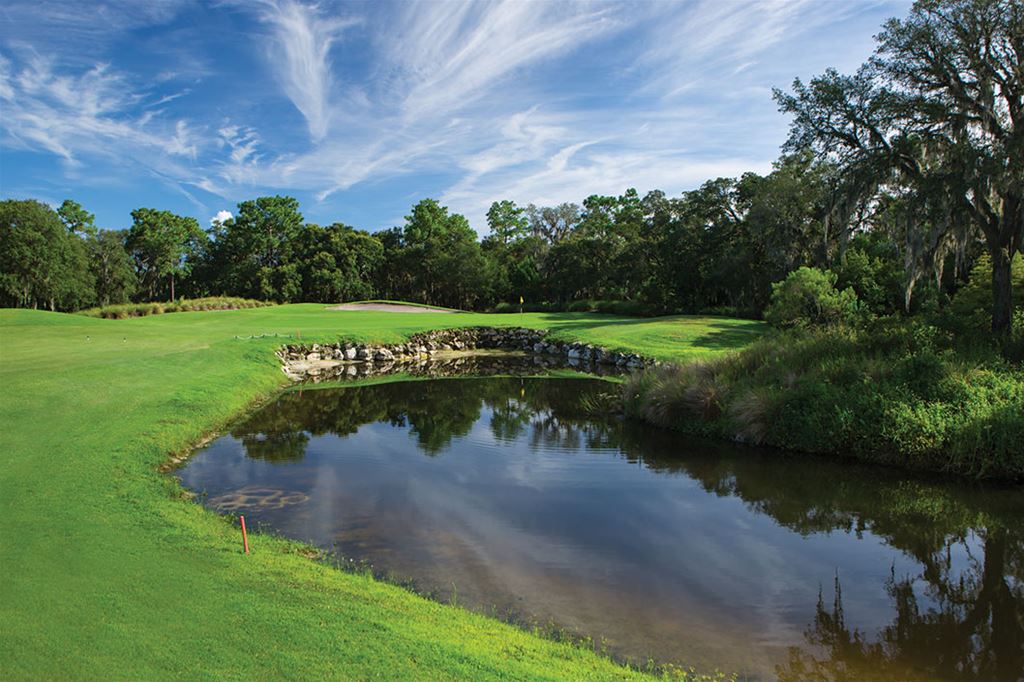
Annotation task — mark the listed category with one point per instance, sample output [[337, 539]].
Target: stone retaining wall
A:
[[305, 361]]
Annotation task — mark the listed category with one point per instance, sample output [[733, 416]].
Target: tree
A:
[[251, 247], [437, 258], [553, 223], [338, 263], [112, 267], [507, 221], [41, 263], [578, 268], [936, 114], [76, 219], [162, 245]]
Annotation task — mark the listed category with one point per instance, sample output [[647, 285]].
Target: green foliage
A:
[[970, 311], [338, 263], [112, 267], [808, 297], [506, 221], [895, 392], [76, 218], [42, 264], [250, 250], [435, 259], [163, 246], [931, 118], [872, 267]]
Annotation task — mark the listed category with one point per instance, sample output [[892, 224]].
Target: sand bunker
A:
[[389, 308]]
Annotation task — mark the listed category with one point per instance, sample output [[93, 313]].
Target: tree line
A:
[[896, 179]]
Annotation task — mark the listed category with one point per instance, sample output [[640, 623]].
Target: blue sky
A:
[[361, 109]]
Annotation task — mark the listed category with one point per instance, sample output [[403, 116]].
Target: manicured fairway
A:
[[106, 572]]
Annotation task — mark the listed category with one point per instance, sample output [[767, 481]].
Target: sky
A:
[[361, 109]]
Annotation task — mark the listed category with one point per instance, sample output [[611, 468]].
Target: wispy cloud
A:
[[453, 54], [300, 57], [90, 113]]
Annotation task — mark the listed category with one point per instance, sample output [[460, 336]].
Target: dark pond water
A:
[[501, 493]]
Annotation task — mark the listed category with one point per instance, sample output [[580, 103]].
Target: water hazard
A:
[[507, 496]]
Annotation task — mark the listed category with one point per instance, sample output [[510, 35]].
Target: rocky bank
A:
[[319, 360]]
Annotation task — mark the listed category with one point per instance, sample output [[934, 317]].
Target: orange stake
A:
[[245, 538]]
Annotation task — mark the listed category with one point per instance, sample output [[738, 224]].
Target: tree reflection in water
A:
[[973, 628], [955, 618]]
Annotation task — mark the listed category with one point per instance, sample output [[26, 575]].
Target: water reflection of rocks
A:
[[253, 498], [445, 364]]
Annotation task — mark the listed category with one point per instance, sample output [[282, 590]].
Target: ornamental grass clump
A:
[[123, 311]]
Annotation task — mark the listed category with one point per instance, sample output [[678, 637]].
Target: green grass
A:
[[106, 571]]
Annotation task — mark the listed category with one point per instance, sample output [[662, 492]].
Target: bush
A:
[[808, 297]]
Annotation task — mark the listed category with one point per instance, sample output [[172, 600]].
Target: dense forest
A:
[[896, 184]]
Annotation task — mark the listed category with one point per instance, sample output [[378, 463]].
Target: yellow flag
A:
[[520, 300]]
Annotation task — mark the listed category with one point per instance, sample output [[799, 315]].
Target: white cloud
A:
[[89, 113], [452, 54], [221, 217], [300, 57]]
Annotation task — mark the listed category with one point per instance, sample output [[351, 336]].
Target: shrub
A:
[[808, 297]]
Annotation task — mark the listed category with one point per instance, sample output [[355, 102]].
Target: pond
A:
[[505, 495]]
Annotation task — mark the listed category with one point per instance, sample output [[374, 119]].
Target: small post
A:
[[245, 538]]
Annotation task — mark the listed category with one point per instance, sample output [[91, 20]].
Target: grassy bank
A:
[[108, 573], [893, 392]]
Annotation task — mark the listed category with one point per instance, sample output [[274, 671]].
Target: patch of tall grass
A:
[[893, 391], [125, 310]]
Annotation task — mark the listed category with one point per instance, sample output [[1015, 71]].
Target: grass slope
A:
[[107, 573]]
